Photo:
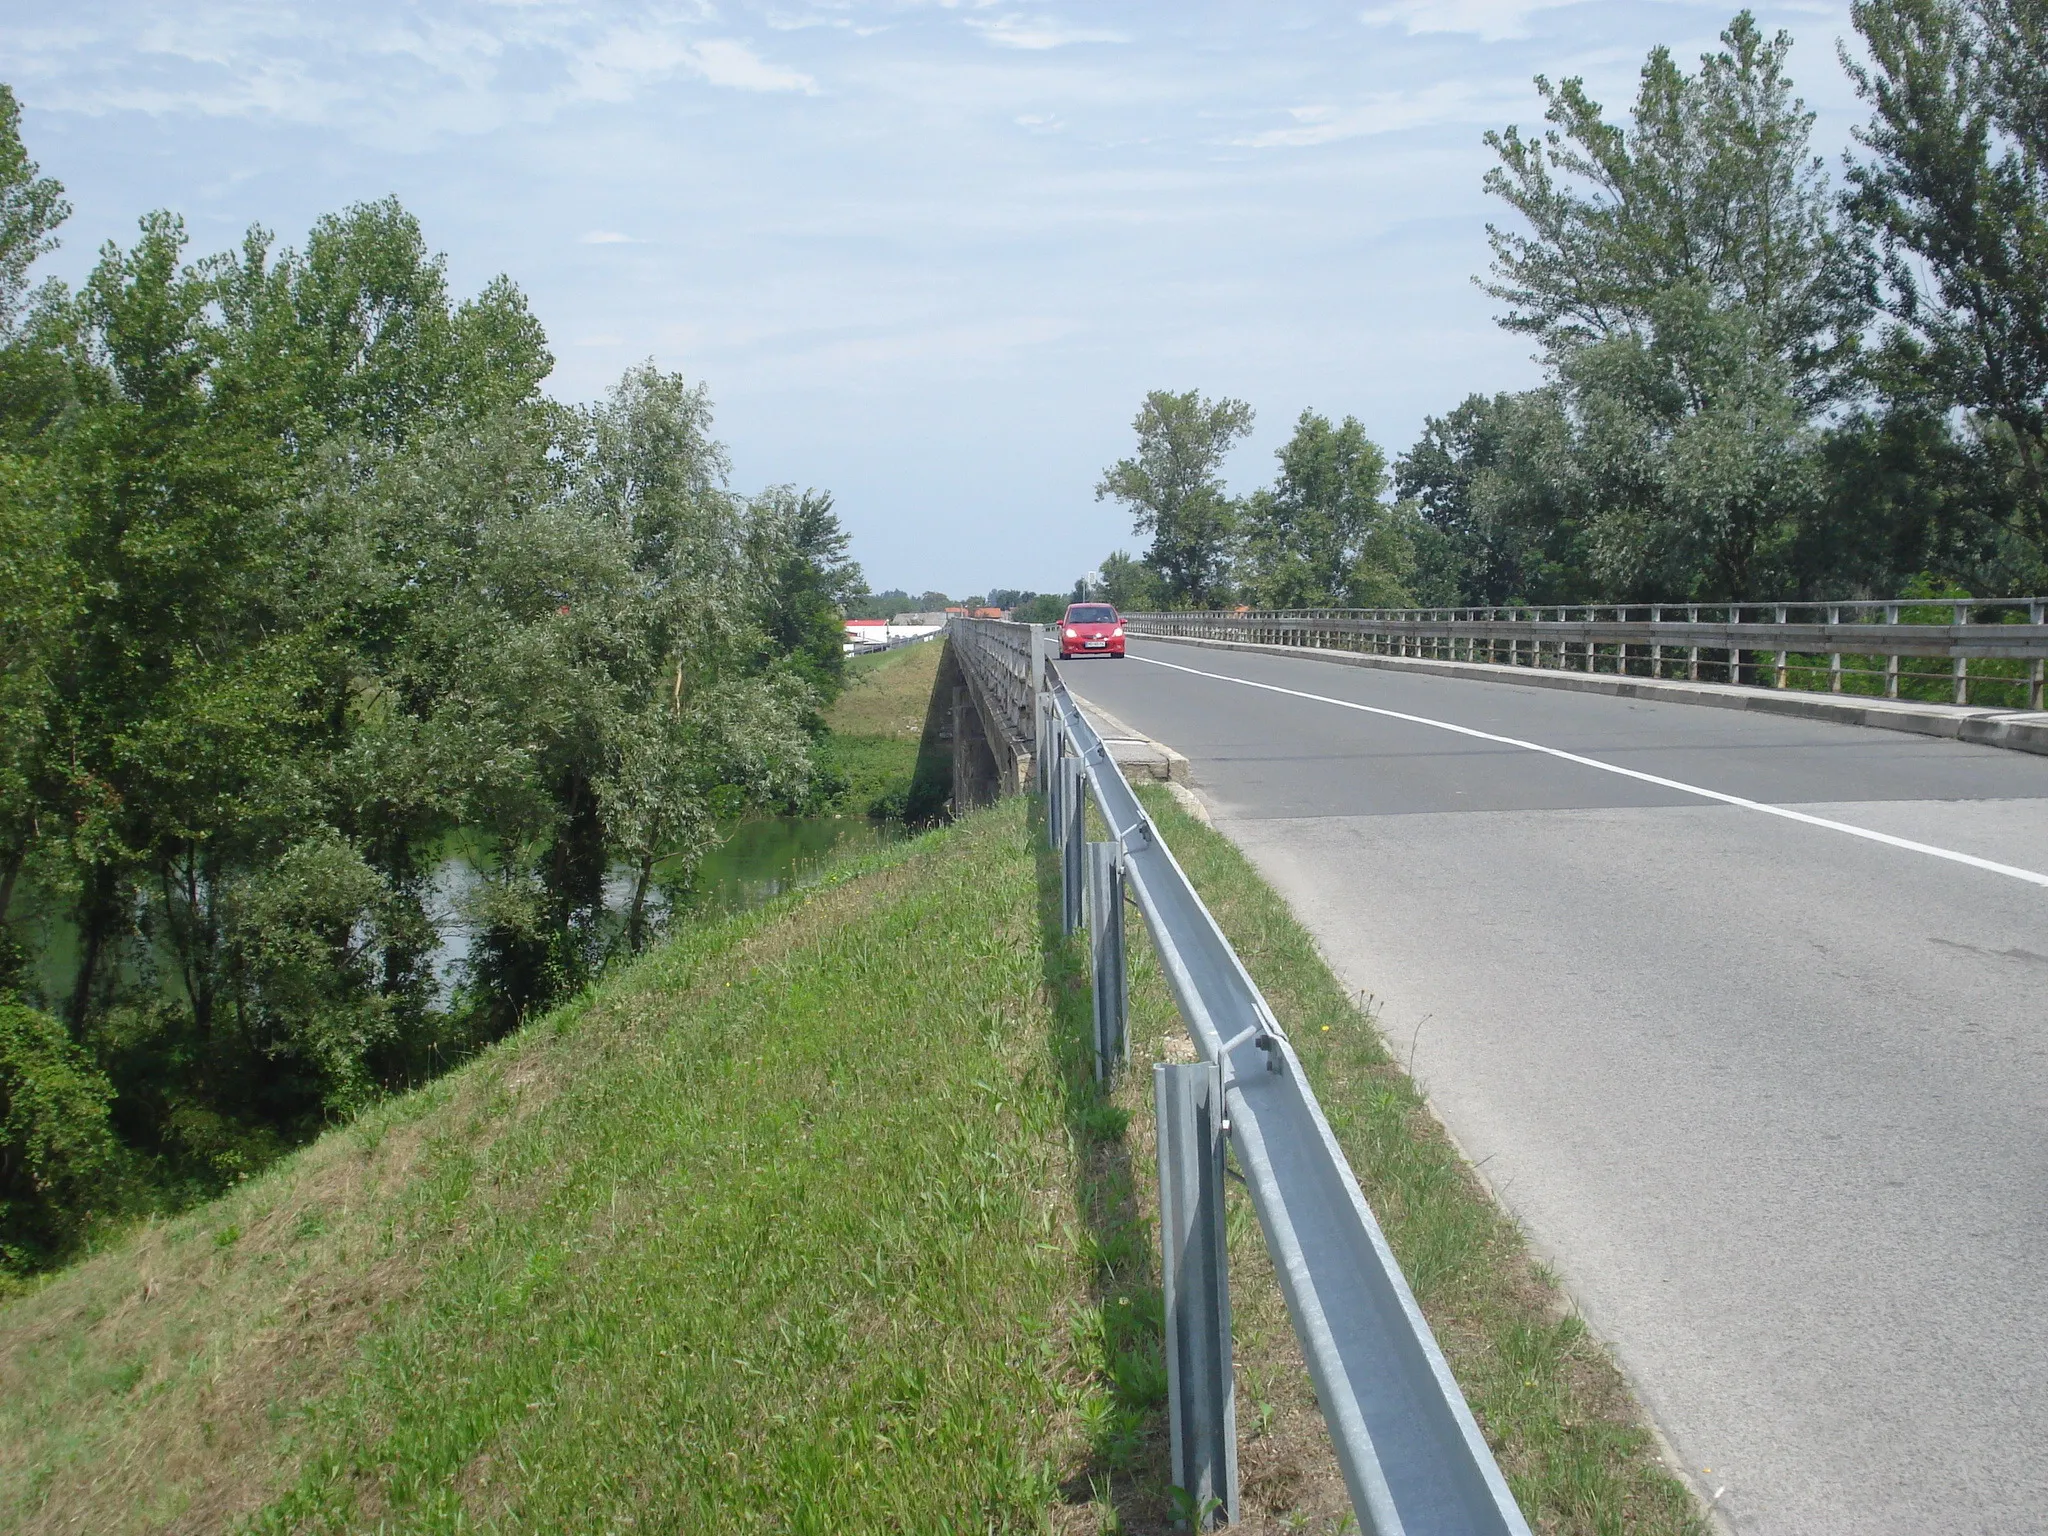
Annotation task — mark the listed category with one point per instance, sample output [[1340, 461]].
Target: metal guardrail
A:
[[1413, 1457], [1766, 641]]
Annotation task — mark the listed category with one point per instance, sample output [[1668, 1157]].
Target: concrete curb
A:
[[2018, 730], [1140, 757]]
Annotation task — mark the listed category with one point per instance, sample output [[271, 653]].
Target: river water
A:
[[759, 859]]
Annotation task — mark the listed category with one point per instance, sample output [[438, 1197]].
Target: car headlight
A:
[[1117, 633], [1073, 634]]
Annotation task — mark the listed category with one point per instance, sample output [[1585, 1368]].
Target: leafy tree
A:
[[1130, 585], [1710, 188], [1690, 290], [33, 381], [1954, 197], [1040, 608], [303, 585], [57, 1148], [38, 593], [805, 579], [189, 674], [1323, 537], [1173, 488]]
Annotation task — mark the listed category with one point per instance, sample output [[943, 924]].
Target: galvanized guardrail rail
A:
[[1413, 1457], [1759, 643]]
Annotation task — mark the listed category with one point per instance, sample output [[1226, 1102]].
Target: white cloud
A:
[[1040, 32], [605, 237], [1446, 102], [626, 58], [726, 61], [1491, 20]]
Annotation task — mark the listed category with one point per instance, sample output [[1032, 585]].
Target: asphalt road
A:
[[1771, 1098]]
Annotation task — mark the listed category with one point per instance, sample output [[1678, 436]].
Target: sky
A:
[[928, 254]]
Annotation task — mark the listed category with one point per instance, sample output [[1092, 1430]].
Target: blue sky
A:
[[927, 255]]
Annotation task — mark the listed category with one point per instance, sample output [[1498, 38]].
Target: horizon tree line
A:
[[1758, 384]]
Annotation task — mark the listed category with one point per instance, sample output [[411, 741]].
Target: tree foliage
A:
[[1324, 535], [1758, 385], [1953, 201], [1173, 488], [323, 631]]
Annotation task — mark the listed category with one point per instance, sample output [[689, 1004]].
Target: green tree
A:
[[1130, 584], [33, 380], [1690, 288], [1323, 536], [1954, 198], [1173, 488], [804, 580], [1710, 187], [57, 1147]]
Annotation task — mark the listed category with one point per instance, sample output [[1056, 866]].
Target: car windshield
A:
[[1084, 613]]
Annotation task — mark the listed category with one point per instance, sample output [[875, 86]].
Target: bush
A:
[[57, 1146]]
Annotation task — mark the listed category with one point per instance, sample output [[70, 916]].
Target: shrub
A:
[[56, 1145]]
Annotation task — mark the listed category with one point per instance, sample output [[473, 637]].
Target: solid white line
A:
[[1631, 773]]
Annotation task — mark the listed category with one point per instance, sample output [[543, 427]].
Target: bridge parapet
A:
[[1848, 646], [998, 668]]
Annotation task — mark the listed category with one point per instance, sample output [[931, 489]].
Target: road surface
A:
[[1772, 1097]]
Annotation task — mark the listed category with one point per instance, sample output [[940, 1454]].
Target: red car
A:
[[1091, 629]]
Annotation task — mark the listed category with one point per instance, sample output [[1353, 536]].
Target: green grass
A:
[[813, 1220], [874, 730], [777, 1232]]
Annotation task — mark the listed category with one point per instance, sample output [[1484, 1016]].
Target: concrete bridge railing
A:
[[1863, 647], [994, 669]]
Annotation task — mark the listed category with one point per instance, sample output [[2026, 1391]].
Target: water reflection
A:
[[759, 860]]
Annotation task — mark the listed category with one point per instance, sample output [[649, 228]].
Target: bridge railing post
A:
[[1195, 1269], [1106, 949]]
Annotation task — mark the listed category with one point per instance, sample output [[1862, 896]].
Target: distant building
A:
[[862, 634]]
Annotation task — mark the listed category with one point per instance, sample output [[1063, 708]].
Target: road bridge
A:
[[1742, 1016]]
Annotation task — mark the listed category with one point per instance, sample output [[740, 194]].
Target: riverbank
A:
[[776, 1229], [812, 1219]]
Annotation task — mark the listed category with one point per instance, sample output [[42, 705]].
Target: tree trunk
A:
[[636, 925], [95, 922], [10, 871]]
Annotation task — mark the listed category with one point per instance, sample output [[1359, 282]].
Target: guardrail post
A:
[[1056, 786], [1106, 942], [1043, 757], [1073, 844], [2037, 686], [1195, 1268], [1962, 663]]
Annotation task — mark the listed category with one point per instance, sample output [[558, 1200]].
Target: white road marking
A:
[[1784, 812]]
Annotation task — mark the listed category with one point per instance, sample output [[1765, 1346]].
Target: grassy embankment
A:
[[875, 727], [811, 1221], [775, 1231]]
